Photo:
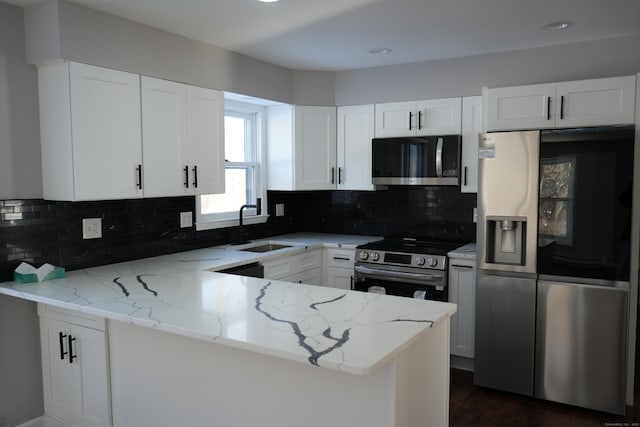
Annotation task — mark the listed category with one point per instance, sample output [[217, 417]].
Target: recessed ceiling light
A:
[[380, 51], [560, 25]]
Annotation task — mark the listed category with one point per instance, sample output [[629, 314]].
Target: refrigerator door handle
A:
[[439, 157]]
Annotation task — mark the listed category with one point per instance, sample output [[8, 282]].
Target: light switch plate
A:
[[279, 209], [186, 219], [475, 215], [92, 228]]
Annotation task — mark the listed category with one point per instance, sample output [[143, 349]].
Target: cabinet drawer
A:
[[309, 277], [72, 316], [341, 258], [288, 266]]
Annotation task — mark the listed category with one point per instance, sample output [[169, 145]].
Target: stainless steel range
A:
[[404, 267]]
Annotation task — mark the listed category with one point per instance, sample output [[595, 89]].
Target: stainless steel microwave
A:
[[425, 160]]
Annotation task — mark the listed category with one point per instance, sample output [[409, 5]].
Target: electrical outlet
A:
[[92, 228], [186, 219], [279, 209]]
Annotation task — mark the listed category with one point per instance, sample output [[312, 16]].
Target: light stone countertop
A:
[[348, 331]]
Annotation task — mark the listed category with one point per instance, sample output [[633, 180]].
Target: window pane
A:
[[234, 138], [237, 192]]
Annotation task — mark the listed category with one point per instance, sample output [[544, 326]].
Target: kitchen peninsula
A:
[[190, 346]]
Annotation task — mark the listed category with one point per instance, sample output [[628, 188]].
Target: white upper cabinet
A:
[[471, 129], [416, 118], [90, 132], [164, 138], [355, 132], [97, 123], [205, 138], [301, 152], [596, 102], [183, 146]]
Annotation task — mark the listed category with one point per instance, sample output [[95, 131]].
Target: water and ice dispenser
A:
[[506, 240]]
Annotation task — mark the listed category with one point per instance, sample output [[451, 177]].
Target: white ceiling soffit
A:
[[333, 35]]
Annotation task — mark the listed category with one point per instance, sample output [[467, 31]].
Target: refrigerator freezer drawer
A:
[[581, 345], [505, 322]]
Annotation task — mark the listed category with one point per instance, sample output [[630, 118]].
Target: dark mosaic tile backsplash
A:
[[39, 231]]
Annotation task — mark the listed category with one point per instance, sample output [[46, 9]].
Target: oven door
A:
[[402, 281]]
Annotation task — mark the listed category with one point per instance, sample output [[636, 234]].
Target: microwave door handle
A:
[[439, 157]]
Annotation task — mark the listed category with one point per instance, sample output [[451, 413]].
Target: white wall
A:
[[466, 76], [20, 171], [20, 363]]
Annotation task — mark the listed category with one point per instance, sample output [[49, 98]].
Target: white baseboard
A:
[[43, 421]]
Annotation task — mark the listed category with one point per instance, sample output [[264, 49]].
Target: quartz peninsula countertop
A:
[[348, 331]]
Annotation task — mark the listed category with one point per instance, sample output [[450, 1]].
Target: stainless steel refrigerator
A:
[[552, 290]]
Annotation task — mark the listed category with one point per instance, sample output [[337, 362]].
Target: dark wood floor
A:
[[478, 406]]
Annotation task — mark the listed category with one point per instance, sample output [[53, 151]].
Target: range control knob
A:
[[364, 255], [432, 262], [420, 260], [375, 256]]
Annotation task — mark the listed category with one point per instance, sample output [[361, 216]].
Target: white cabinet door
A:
[[439, 117], [205, 132], [164, 138], [395, 119], [609, 101], [105, 116], [341, 278], [104, 142], [75, 373], [462, 291], [315, 148], [521, 107], [355, 132], [471, 129]]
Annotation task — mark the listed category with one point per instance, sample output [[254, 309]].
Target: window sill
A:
[[223, 223]]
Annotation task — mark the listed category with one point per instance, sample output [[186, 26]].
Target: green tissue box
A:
[[26, 273]]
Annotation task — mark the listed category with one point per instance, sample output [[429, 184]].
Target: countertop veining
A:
[[348, 331]]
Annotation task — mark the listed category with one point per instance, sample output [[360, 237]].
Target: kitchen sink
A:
[[268, 247]]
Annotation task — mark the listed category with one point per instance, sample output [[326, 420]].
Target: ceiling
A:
[[332, 35]]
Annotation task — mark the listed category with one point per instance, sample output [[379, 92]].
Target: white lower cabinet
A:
[[301, 268], [75, 367], [339, 267], [462, 291]]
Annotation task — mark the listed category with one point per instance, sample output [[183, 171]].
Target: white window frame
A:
[[230, 219]]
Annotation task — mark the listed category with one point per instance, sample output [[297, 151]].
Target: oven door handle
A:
[[397, 275]]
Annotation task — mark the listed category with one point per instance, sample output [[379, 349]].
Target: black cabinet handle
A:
[[333, 175], [186, 176], [465, 175], [341, 258], [339, 175], [61, 337], [410, 117], [548, 108], [461, 266], [419, 120], [562, 108], [195, 176], [351, 278], [71, 355], [139, 170]]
